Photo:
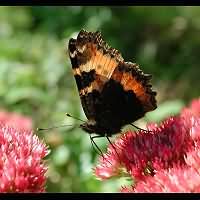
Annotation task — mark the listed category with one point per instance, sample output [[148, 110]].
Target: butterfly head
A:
[[89, 126]]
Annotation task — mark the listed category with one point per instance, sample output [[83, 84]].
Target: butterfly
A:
[[113, 92]]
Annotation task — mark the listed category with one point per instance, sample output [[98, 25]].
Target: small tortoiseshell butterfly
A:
[[113, 92]]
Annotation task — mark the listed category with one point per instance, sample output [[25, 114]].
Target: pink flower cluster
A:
[[21, 152], [164, 159]]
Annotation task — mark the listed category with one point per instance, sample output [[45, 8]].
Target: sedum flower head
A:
[[21, 166], [146, 152], [164, 159]]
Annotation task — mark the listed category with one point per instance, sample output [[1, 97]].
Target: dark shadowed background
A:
[[36, 77]]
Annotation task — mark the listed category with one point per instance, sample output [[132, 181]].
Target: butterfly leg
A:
[[113, 147], [95, 145], [139, 128]]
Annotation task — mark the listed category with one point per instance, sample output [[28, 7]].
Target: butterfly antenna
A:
[[139, 128], [52, 127], [68, 115]]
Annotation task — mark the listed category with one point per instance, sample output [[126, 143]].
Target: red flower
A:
[[15, 120], [146, 152], [21, 165], [176, 179], [185, 178], [193, 109], [164, 159], [191, 118]]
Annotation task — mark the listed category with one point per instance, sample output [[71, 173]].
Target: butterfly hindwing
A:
[[133, 79]]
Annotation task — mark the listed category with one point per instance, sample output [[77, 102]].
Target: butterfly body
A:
[[113, 92]]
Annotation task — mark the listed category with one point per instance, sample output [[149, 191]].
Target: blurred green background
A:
[[36, 77]]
